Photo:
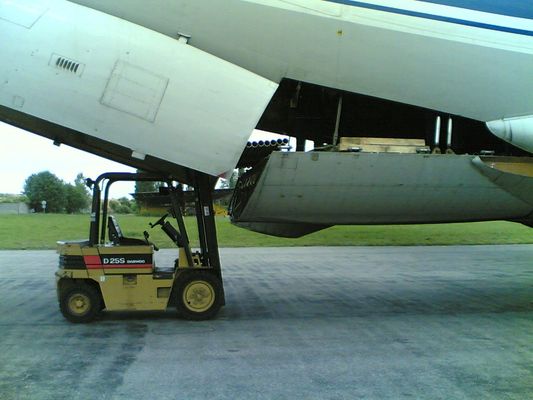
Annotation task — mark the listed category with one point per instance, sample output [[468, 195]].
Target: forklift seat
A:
[[116, 236]]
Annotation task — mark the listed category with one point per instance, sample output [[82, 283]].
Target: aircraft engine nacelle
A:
[[517, 131], [116, 85]]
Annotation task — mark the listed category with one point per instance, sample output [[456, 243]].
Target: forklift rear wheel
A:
[[199, 295], [80, 303]]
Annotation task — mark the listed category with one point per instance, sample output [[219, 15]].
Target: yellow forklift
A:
[[115, 273]]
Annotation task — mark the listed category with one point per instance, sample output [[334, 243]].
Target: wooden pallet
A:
[[382, 145]]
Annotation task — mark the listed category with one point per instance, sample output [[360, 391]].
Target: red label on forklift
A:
[[119, 261], [92, 260]]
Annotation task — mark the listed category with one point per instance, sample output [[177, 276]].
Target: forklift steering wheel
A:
[[158, 222]]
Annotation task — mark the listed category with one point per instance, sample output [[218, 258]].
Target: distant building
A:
[[151, 203], [155, 203], [14, 208]]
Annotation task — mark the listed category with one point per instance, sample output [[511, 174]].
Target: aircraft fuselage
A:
[[460, 61]]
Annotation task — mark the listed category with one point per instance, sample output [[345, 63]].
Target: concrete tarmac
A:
[[300, 323]]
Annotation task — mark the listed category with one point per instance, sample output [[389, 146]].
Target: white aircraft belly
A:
[[463, 70], [116, 81]]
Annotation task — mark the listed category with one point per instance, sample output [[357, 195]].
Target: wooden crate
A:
[[382, 145]]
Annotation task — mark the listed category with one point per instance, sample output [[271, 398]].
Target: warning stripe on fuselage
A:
[[378, 6]]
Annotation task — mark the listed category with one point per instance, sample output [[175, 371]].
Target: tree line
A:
[[60, 196], [63, 197]]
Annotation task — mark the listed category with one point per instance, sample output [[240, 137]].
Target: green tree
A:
[[122, 206], [48, 187], [231, 182], [12, 198], [234, 178], [78, 197], [146, 187], [80, 182]]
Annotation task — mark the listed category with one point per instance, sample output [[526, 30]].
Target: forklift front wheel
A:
[[80, 303], [199, 295]]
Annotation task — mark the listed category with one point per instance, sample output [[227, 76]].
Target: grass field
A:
[[39, 231]]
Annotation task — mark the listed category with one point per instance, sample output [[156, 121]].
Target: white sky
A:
[[23, 153]]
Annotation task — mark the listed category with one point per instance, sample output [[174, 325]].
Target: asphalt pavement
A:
[[300, 323]]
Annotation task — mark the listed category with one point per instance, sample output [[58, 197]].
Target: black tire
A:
[[198, 295], [80, 303]]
